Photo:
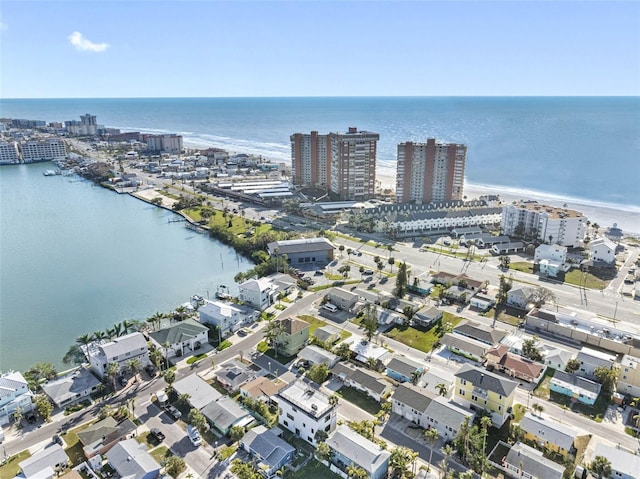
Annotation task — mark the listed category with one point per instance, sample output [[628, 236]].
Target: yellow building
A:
[[479, 389], [549, 434]]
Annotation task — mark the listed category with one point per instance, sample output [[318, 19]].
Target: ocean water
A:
[[76, 258], [582, 148]]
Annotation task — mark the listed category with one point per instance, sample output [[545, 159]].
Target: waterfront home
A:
[[119, 351], [404, 369], [327, 334], [101, 436], [602, 251], [45, 464], [316, 355], [294, 334], [520, 297], [348, 448], [233, 374], [305, 410], [479, 389], [180, 339], [262, 389], [199, 391], [581, 389], [224, 413], [550, 434], [523, 462], [303, 251], [131, 460], [14, 394], [624, 464], [71, 388], [371, 383], [591, 359], [228, 317], [268, 451], [258, 293], [629, 378], [516, 366]]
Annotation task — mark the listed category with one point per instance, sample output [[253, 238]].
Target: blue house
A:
[[581, 389], [267, 450], [404, 370], [348, 447]]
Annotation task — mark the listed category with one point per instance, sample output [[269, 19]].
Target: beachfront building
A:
[[119, 351], [549, 224], [602, 251], [9, 154], [343, 162], [170, 143], [305, 411], [348, 448], [87, 126], [43, 150], [431, 171], [14, 394]]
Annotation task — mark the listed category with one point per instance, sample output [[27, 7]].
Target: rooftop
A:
[[199, 391], [317, 355], [300, 245], [267, 445], [551, 211], [358, 449], [622, 461], [404, 366], [312, 401], [560, 434], [224, 412], [480, 332], [179, 332], [533, 462], [413, 396], [293, 325], [49, 457], [123, 345], [131, 459], [486, 380]]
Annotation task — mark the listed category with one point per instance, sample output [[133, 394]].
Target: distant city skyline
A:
[[115, 49]]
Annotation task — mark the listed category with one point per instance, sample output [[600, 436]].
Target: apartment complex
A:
[[170, 143], [345, 163], [87, 126], [431, 171], [9, 154], [43, 150], [549, 224]]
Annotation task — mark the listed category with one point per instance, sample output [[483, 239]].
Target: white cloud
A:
[[84, 45]]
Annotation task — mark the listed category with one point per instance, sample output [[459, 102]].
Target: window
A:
[[327, 417], [285, 423], [290, 416]]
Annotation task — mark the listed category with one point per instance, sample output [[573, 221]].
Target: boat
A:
[[51, 172]]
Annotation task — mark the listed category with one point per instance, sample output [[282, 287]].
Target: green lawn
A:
[[264, 348], [542, 389], [10, 469], [359, 398], [239, 224], [579, 278], [160, 453], [523, 266], [312, 470], [74, 447], [316, 323], [419, 338]]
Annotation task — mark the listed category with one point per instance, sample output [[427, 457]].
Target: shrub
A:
[[224, 345]]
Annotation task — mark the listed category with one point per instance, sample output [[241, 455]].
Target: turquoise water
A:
[[76, 258], [575, 147]]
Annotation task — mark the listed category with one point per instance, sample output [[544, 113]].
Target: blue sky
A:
[[69, 49]]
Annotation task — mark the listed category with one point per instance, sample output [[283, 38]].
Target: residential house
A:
[[557, 358], [550, 259], [482, 302], [516, 366], [448, 279], [284, 282], [438, 381], [305, 410], [224, 413], [427, 317], [602, 250], [388, 316], [488, 242], [303, 251], [180, 338], [479, 332], [262, 389], [508, 248], [101, 436], [365, 351], [200, 392], [327, 334], [350, 448], [71, 388], [465, 346], [258, 293], [404, 370], [549, 434], [228, 317], [131, 460], [624, 464], [233, 374], [343, 299], [459, 294], [411, 402], [371, 383], [316, 355], [629, 378], [268, 451], [119, 351], [480, 389], [520, 297], [45, 464], [14, 394], [446, 417], [581, 389], [523, 462], [591, 359], [465, 230], [294, 336]]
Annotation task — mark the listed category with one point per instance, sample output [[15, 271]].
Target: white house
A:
[[119, 351], [550, 258], [305, 410], [519, 296], [228, 317], [258, 293], [182, 337], [590, 359], [602, 250], [624, 464], [14, 394]]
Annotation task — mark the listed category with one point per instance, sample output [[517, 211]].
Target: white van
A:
[[194, 435], [163, 400], [330, 307]]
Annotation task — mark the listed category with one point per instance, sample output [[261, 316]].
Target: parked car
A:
[[367, 272], [157, 434], [318, 273], [150, 369], [57, 439], [174, 412], [123, 381], [194, 435]]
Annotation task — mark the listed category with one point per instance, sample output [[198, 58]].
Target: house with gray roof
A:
[[14, 394], [225, 413], [520, 296], [404, 370], [316, 355], [71, 388], [343, 299], [303, 251], [591, 359], [549, 433], [200, 391], [101, 436], [520, 461], [348, 447], [268, 451], [233, 374], [45, 464], [465, 346], [327, 334], [446, 417], [427, 317], [479, 332], [119, 351], [131, 460], [182, 338], [411, 402], [581, 389], [369, 382], [624, 464]]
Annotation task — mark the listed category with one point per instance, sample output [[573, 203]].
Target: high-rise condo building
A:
[[344, 163], [431, 171]]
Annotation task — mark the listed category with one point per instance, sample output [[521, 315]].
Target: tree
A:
[[133, 366], [485, 423], [17, 415], [409, 312], [183, 399], [448, 451], [401, 280], [99, 336], [236, 433], [197, 420], [111, 373], [323, 451], [361, 270], [400, 460], [44, 407], [431, 435], [505, 261], [386, 407], [318, 373], [370, 321], [244, 470], [540, 296], [391, 262], [333, 400], [174, 466], [501, 297], [356, 472], [539, 408], [600, 466], [272, 332], [42, 371], [169, 376], [442, 389], [608, 377], [155, 355], [84, 340], [415, 376], [343, 351], [74, 355], [530, 349], [364, 428], [572, 366], [341, 248], [105, 411], [321, 435]]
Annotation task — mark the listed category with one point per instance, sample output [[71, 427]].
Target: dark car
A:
[[368, 272], [57, 439], [157, 434], [150, 369], [318, 273], [123, 381], [174, 412]]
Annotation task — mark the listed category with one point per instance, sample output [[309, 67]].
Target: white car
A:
[[194, 435]]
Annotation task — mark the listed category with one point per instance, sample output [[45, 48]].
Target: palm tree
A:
[[117, 330], [84, 340], [448, 451], [538, 408], [442, 389], [99, 336], [17, 415], [333, 400], [600, 466], [127, 327], [356, 472], [156, 320], [184, 399], [431, 435], [415, 376], [272, 332], [111, 373], [134, 367], [485, 423]]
